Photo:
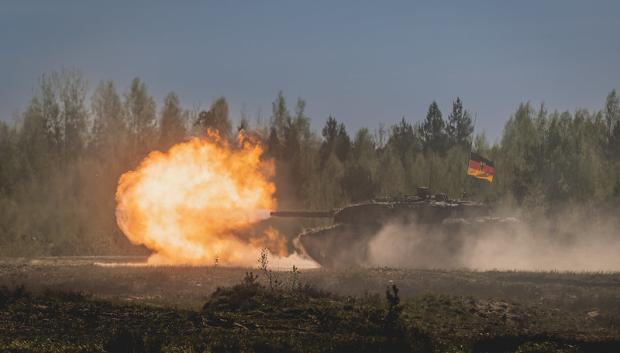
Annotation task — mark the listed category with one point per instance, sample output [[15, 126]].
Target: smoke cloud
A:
[[571, 240]]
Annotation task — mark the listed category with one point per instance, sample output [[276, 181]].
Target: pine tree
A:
[[140, 109], [336, 140], [280, 115], [172, 126], [109, 132], [244, 124], [459, 127], [343, 143], [403, 139], [330, 134], [35, 141], [273, 143], [433, 131], [612, 111], [295, 131], [47, 103], [216, 118], [74, 113]]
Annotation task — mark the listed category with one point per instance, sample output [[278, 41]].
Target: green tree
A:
[[46, 103], [37, 144], [391, 175], [280, 115], [273, 143], [279, 121], [109, 134], [614, 142], [359, 179], [73, 89], [403, 140], [459, 127], [172, 124], [335, 140], [432, 130], [60, 102], [612, 119], [358, 184], [612, 111], [292, 132], [9, 163], [140, 108], [297, 148], [521, 150], [216, 118], [364, 151], [330, 135], [244, 124], [331, 174], [343, 143]]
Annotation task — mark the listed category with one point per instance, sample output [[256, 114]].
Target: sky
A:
[[363, 62]]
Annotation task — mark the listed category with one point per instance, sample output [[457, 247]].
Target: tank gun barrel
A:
[[303, 214]]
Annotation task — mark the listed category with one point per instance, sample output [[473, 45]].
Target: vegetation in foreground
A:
[[289, 316]]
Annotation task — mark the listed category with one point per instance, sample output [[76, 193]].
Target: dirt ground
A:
[[128, 279], [75, 304]]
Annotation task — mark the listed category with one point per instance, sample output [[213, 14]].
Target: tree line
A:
[[61, 159]]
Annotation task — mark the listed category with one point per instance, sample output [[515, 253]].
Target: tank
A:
[[346, 241]]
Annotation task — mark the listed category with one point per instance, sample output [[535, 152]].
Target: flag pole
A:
[[473, 135], [471, 146]]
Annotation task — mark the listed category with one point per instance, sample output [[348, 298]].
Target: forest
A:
[[61, 158]]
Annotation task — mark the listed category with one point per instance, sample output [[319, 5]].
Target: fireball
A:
[[188, 204]]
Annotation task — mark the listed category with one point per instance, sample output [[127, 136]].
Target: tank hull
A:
[[421, 225], [436, 245]]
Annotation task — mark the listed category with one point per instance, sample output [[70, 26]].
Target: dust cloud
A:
[[571, 240]]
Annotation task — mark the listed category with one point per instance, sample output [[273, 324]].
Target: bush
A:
[[242, 296], [392, 318]]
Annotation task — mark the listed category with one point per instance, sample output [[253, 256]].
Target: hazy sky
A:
[[364, 62]]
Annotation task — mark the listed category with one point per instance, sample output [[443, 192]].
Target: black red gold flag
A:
[[480, 167]]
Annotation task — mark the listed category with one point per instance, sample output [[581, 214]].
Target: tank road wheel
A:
[[337, 246]]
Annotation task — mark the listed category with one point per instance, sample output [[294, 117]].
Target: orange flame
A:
[[187, 204]]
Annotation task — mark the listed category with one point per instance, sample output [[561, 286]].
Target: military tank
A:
[[346, 241]]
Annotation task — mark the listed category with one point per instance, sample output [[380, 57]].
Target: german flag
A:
[[480, 167]]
